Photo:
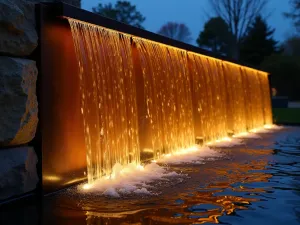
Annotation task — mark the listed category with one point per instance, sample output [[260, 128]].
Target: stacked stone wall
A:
[[18, 100]]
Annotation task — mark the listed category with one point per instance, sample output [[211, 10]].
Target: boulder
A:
[[17, 27], [18, 174], [19, 107]]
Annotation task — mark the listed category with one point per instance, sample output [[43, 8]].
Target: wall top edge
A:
[[64, 11]]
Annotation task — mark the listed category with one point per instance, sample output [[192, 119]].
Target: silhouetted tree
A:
[[258, 43], [238, 14], [177, 31], [292, 46], [122, 11], [215, 36], [295, 13], [285, 74]]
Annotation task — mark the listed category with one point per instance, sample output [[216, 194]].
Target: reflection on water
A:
[[257, 184], [228, 194]]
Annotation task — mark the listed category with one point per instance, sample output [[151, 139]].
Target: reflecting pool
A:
[[257, 182]]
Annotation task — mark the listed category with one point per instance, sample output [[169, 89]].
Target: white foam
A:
[[261, 131], [142, 191], [129, 180], [112, 192], [273, 127], [138, 180], [226, 143], [247, 135], [195, 155], [255, 133], [266, 129]]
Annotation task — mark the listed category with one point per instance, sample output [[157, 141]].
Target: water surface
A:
[[256, 183]]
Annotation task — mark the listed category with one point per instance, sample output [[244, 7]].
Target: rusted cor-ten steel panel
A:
[[62, 144]]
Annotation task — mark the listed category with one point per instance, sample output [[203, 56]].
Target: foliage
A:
[[285, 69], [238, 14], [258, 43], [292, 46], [122, 11], [286, 115], [295, 13], [285, 74], [215, 36], [177, 31]]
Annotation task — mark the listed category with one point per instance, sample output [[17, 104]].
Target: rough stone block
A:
[[17, 27], [18, 174], [18, 101]]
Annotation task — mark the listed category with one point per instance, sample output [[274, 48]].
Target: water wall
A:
[[181, 95], [167, 97], [110, 96]]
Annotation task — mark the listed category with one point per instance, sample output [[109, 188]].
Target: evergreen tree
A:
[[238, 14], [258, 43], [285, 74], [122, 11], [291, 46], [215, 36]]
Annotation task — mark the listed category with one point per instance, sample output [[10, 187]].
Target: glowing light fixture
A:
[[52, 178], [268, 126], [86, 187]]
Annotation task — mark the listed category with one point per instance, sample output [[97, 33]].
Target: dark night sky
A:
[[194, 14]]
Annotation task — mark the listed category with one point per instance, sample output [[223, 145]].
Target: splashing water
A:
[[108, 98], [130, 180], [143, 100], [168, 97]]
